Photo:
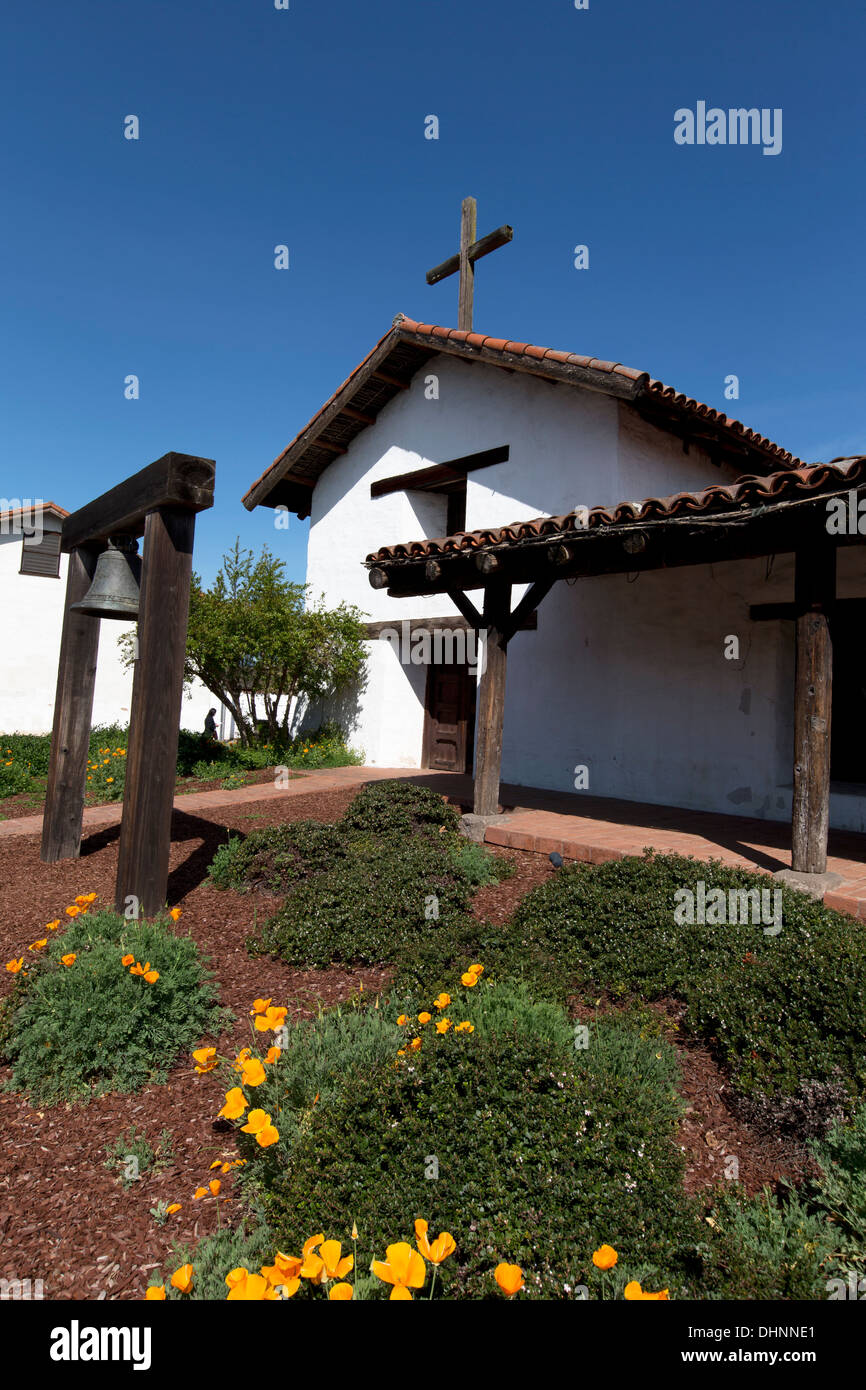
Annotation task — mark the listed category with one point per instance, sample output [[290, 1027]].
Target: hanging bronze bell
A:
[[116, 582]]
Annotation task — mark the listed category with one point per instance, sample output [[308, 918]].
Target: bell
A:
[[116, 581]]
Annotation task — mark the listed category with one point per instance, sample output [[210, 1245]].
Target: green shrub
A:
[[839, 1194], [213, 1257], [72, 1032], [478, 866], [277, 858], [778, 1009], [765, 1248], [368, 908], [524, 1149], [398, 808], [15, 777]]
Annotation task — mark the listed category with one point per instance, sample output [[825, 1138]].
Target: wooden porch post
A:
[[814, 593], [73, 707], [157, 693], [491, 699]]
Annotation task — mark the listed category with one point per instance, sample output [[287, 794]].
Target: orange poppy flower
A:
[[259, 1005], [252, 1287], [283, 1273], [442, 1001], [73, 911], [52, 926], [175, 1206], [336, 1264], [341, 1293], [182, 1278], [443, 1246], [151, 976], [13, 966], [509, 1278], [270, 1020], [156, 1293], [205, 1059], [273, 1055], [403, 1019], [69, 958], [175, 914], [635, 1294], [443, 1025], [267, 1135], [605, 1257], [465, 1027], [424, 1018], [252, 1072], [127, 960], [236, 1104], [414, 1044], [403, 1267]]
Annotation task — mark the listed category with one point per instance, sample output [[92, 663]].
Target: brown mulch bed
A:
[[66, 1219]]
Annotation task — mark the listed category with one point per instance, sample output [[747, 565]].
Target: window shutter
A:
[[42, 557]]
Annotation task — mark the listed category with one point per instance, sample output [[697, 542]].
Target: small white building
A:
[[666, 682], [32, 593]]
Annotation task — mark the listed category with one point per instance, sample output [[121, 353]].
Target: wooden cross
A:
[[470, 252]]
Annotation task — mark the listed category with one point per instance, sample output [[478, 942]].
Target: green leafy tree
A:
[[256, 641]]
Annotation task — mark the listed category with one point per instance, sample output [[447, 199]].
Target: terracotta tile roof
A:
[[36, 502], [748, 494], [408, 345]]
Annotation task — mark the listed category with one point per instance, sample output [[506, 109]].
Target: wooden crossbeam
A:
[[471, 250], [439, 476], [175, 480]]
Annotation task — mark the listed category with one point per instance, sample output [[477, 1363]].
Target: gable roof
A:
[[408, 345]]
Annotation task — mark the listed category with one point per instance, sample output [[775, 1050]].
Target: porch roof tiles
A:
[[748, 494]]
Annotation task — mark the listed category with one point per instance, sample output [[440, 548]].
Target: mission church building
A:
[[647, 566]]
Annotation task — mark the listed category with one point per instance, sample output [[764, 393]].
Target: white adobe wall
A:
[[567, 448], [31, 619], [628, 678]]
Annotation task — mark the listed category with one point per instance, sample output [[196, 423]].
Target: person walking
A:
[[210, 727]]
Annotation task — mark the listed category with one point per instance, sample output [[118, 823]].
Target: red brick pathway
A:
[[587, 828]]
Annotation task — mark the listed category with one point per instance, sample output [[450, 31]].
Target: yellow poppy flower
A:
[[465, 1027]]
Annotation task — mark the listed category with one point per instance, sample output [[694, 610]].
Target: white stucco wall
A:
[[31, 620], [628, 678]]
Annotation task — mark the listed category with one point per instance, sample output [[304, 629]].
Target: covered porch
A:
[[810, 514], [593, 829]]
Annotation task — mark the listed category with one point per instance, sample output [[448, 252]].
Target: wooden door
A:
[[449, 718]]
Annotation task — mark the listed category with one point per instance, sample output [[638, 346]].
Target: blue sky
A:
[[306, 127]]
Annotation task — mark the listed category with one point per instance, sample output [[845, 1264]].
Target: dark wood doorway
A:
[[449, 718]]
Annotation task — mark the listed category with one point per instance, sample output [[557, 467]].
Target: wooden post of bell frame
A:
[[157, 692], [491, 699], [73, 708], [814, 593]]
